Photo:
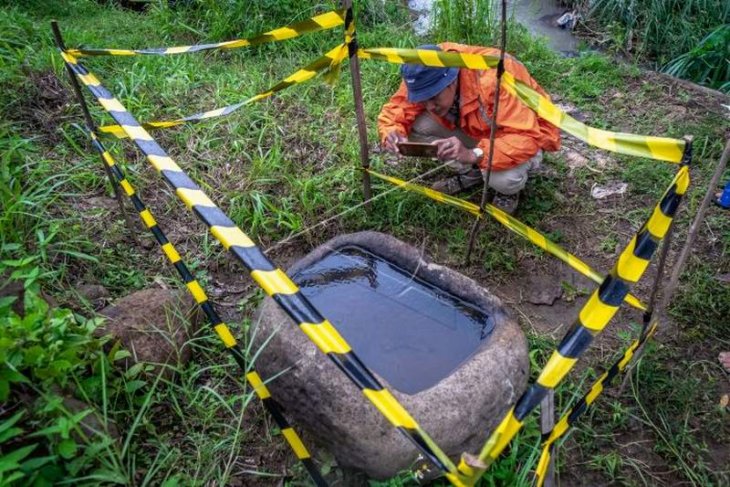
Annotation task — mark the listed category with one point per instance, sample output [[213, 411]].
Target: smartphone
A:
[[417, 149]]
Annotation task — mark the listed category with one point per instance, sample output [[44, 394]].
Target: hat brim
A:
[[424, 94]]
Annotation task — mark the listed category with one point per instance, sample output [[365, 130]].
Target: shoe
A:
[[506, 202], [458, 183]]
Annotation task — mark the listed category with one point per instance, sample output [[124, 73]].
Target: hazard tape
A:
[[320, 22], [569, 419], [659, 148], [271, 279], [592, 319], [287, 431], [428, 57], [201, 299], [512, 224], [329, 61]]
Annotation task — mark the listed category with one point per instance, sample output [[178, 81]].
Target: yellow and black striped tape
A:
[[592, 318], [512, 224], [291, 436], [324, 21], [329, 61], [201, 299], [659, 148], [270, 278], [585, 402], [441, 59]]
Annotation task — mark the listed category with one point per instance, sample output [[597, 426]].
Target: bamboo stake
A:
[[362, 130], [91, 127], [486, 193]]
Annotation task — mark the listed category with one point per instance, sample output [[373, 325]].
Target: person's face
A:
[[442, 102]]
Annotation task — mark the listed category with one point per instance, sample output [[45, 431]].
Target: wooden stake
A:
[[486, 193], [91, 127], [362, 130], [695, 227], [547, 423]]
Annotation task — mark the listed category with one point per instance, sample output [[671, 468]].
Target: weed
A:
[[466, 21], [707, 62], [688, 37]]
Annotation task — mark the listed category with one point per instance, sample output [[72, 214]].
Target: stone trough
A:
[[444, 345]]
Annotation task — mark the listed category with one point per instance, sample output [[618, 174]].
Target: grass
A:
[[280, 166], [686, 38]]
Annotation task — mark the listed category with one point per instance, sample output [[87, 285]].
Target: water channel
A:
[[538, 16]]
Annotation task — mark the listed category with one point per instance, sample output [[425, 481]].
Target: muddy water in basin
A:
[[405, 329]]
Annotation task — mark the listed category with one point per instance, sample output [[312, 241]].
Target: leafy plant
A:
[[688, 37], [708, 63], [42, 352]]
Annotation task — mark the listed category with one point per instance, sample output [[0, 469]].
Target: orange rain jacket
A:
[[520, 133]]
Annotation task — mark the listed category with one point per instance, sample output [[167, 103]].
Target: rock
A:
[[611, 189], [543, 290], [575, 159], [154, 325], [458, 411], [93, 423], [13, 289], [95, 294]]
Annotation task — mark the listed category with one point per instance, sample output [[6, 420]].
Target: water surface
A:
[[408, 331]]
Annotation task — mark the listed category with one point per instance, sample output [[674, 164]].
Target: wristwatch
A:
[[479, 153]]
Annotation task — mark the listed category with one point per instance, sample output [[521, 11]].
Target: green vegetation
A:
[[467, 21], [685, 38], [276, 168], [708, 63]]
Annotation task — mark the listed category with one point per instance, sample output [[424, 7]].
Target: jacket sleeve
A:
[[520, 133], [517, 135], [397, 114]]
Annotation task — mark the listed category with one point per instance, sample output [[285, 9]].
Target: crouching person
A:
[[451, 108]]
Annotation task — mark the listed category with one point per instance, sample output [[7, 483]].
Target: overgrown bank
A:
[[276, 168], [689, 39]]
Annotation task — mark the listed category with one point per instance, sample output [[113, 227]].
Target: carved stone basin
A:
[[444, 345]]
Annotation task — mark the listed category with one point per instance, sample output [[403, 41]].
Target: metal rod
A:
[[486, 193], [547, 423], [91, 127], [695, 227], [659, 275], [362, 130], [652, 307]]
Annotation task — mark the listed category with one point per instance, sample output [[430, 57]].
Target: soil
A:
[[44, 105]]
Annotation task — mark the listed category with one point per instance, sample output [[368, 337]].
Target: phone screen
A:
[[417, 149]]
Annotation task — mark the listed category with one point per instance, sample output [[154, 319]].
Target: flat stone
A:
[[458, 411], [543, 290], [154, 325], [92, 424], [13, 289], [95, 294]]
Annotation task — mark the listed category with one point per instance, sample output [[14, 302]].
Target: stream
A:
[[538, 16]]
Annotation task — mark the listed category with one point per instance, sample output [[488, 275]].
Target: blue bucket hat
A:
[[424, 82]]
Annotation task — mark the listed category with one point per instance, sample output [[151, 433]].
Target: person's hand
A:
[[392, 140], [452, 149]]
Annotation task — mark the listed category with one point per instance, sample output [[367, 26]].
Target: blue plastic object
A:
[[724, 199]]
